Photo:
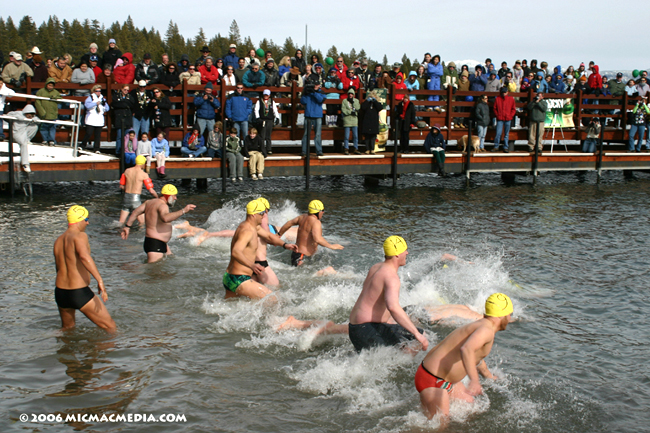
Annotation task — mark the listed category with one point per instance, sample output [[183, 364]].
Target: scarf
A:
[[406, 104]]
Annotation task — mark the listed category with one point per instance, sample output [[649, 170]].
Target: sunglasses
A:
[[240, 88], [86, 219]]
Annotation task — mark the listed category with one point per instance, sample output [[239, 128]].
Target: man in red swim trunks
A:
[[74, 265], [461, 354]]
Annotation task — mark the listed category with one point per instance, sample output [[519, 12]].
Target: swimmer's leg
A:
[[96, 311], [326, 328], [326, 271], [267, 277], [254, 290], [448, 257], [220, 234], [435, 401], [191, 232], [154, 257], [123, 216], [185, 225], [441, 312], [67, 318]]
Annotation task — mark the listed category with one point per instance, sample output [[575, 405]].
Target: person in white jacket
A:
[[4, 92], [96, 107], [24, 129]]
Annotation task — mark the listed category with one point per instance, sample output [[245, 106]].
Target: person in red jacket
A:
[[504, 111], [399, 84], [125, 74], [350, 81], [209, 72], [341, 68]]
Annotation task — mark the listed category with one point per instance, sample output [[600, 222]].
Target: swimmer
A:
[[237, 280], [310, 233], [461, 354], [377, 319], [158, 220], [131, 183], [74, 266], [202, 234]]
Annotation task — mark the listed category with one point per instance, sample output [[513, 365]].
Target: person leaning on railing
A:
[[96, 108], [82, 75]]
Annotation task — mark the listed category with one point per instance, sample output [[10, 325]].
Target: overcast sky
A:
[[560, 32]]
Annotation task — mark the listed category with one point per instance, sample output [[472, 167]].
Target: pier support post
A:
[[10, 148], [468, 149], [535, 160], [599, 160]]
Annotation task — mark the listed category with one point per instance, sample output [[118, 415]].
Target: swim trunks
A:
[[75, 298], [264, 263], [232, 282], [424, 379], [297, 259], [152, 245], [130, 202], [371, 334]]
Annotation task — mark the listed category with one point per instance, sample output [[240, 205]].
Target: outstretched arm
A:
[[391, 296], [167, 216], [83, 250], [317, 233], [288, 225], [276, 240]]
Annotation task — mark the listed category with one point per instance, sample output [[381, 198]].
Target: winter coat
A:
[[640, 116], [233, 144], [214, 140], [40, 72], [504, 108], [81, 77], [595, 81], [95, 109], [205, 107], [13, 72], [348, 83], [24, 129], [300, 64], [141, 107], [272, 78], [537, 110], [253, 79], [593, 130], [254, 144], [409, 116], [493, 85], [144, 148], [350, 112], [184, 63], [287, 78], [434, 139], [231, 60], [501, 73], [47, 110], [152, 75], [192, 80], [160, 117], [435, 73], [4, 92], [617, 89], [196, 144], [477, 84], [269, 114], [122, 107], [169, 79], [110, 56], [557, 85], [160, 146], [238, 107], [60, 75], [125, 74], [482, 114], [211, 75], [412, 86], [369, 116], [313, 103], [450, 78]]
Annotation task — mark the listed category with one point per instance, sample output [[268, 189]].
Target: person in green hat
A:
[[48, 110]]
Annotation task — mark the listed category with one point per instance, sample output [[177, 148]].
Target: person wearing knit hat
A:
[[158, 219], [377, 318], [462, 353], [74, 266]]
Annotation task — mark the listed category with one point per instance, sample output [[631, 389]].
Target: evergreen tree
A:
[[14, 42], [75, 42], [174, 42], [384, 61], [289, 48], [3, 38], [406, 65], [27, 31], [333, 52], [362, 54], [200, 40], [234, 37]]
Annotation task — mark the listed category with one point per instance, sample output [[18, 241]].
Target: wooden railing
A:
[[453, 103]]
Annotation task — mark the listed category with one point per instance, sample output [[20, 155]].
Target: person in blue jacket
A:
[[313, 102], [540, 85], [238, 110], [205, 105], [231, 59], [436, 144], [435, 71], [253, 78], [193, 143], [478, 81]]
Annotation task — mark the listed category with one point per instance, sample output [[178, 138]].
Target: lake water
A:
[[572, 255]]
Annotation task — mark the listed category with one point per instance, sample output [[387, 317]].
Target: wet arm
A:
[[483, 370], [317, 233], [274, 239], [391, 296], [288, 225], [474, 342], [167, 216], [83, 250]]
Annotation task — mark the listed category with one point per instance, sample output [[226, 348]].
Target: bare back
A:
[[445, 360], [156, 227], [134, 176], [70, 271], [243, 249], [309, 227], [371, 304]]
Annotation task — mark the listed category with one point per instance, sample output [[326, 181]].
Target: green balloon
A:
[[260, 52], [568, 108], [635, 73], [329, 61]]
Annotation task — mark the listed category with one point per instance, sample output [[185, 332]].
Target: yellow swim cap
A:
[[316, 206], [77, 214], [169, 189], [265, 202], [394, 245], [498, 305], [141, 160], [254, 207]]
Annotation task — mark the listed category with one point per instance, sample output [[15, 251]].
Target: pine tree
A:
[[384, 61], [14, 41], [3, 37], [333, 52], [174, 42], [27, 31], [289, 48], [200, 40], [406, 65], [362, 54], [234, 36], [75, 42]]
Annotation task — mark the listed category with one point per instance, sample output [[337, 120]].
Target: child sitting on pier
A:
[[144, 148], [130, 148], [160, 149]]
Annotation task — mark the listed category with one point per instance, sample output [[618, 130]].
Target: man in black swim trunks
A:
[[158, 220], [74, 265], [377, 319]]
